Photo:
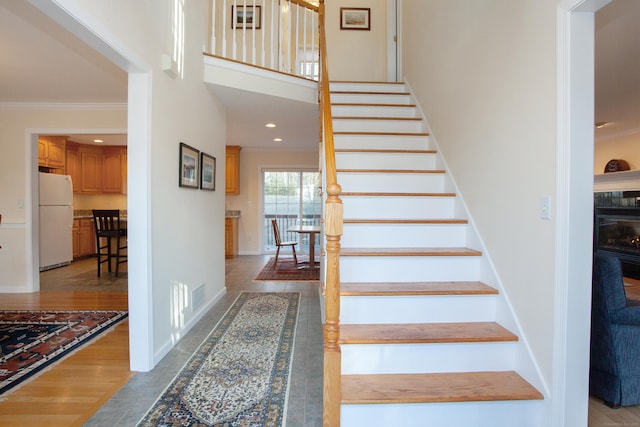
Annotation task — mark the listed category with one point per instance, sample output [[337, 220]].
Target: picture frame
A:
[[207, 172], [243, 17], [189, 166], [355, 18]]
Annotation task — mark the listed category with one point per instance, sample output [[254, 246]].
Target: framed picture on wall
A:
[[248, 17], [355, 18], [207, 172], [189, 171]]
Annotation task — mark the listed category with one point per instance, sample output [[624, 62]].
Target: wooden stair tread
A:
[[353, 92], [388, 194], [415, 288], [359, 104], [409, 252], [383, 133], [436, 387], [406, 221], [425, 333], [385, 151], [408, 119], [414, 171]]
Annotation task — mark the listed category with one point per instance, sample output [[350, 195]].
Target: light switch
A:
[[545, 207]]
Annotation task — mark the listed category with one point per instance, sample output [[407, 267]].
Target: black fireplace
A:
[[617, 232]]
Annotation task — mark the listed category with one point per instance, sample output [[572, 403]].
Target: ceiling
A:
[[45, 63]]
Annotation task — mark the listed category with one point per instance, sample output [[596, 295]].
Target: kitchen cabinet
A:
[[90, 169], [96, 169], [72, 166], [111, 170], [51, 151], [84, 240], [232, 176], [230, 237]]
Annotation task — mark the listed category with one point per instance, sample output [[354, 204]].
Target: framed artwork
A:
[[189, 171], [207, 172], [246, 17], [355, 18]]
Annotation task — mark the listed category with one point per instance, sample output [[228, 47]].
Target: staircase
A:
[[419, 336]]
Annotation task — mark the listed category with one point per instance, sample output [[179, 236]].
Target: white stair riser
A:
[[403, 235], [408, 269], [426, 358], [367, 87], [390, 182], [520, 413], [398, 161], [371, 125], [382, 142], [374, 111], [417, 309], [398, 207], [370, 98]]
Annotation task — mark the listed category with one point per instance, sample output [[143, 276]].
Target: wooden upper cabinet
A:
[[52, 151], [111, 170], [96, 169], [90, 169], [232, 178], [73, 165]]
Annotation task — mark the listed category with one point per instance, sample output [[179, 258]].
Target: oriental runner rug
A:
[[239, 376], [287, 271], [31, 341]]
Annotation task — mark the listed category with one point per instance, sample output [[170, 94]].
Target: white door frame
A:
[[574, 228], [141, 354], [394, 40]]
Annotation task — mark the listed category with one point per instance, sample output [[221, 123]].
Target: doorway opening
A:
[[292, 198]]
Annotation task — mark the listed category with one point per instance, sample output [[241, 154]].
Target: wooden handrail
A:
[[305, 4], [332, 231]]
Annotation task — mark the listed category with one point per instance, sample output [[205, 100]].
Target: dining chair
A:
[[280, 243], [109, 230]]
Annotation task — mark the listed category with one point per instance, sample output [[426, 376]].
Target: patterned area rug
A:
[[287, 271], [31, 341], [240, 374]]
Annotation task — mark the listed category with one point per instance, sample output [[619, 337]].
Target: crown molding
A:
[[63, 106]]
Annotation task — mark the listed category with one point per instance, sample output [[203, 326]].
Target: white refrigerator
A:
[[56, 220]]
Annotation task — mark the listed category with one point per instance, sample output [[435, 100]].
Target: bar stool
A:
[[108, 230]]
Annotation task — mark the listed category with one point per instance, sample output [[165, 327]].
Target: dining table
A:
[[311, 230]]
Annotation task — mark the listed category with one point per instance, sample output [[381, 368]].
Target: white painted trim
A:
[[392, 75], [617, 181], [79, 21], [107, 106], [574, 226], [141, 349]]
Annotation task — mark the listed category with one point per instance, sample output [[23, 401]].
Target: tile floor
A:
[[130, 404]]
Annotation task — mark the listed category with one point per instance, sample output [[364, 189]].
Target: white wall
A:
[[249, 201], [357, 54], [177, 243], [18, 174], [484, 73]]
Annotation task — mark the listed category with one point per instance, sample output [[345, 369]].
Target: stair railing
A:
[[279, 35], [333, 217]]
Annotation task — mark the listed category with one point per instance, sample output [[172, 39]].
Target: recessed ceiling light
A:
[[601, 124], [270, 125], [277, 139], [98, 140]]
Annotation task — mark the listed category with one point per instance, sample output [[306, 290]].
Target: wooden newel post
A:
[[331, 331]]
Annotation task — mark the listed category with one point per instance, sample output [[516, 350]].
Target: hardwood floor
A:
[[69, 393]]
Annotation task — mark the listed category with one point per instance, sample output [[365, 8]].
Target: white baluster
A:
[[234, 24], [244, 32], [262, 54]]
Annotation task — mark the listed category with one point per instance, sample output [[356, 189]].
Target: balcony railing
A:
[[284, 223], [280, 35]]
